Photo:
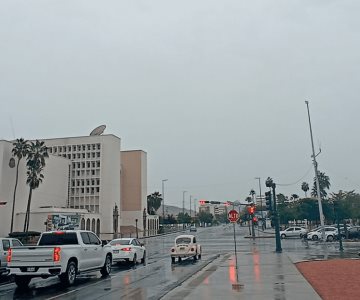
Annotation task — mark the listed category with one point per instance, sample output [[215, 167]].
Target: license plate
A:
[[116, 251], [30, 269], [182, 248]]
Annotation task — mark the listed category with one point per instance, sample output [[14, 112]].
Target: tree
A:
[[305, 187], [294, 197], [19, 151], [37, 153], [154, 202], [205, 217], [183, 218], [324, 183]]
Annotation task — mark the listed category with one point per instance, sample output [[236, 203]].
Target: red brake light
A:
[[192, 249], [172, 250], [59, 232], [9, 255], [56, 255], [126, 249]]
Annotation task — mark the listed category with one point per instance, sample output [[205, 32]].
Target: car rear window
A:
[[120, 242], [58, 238], [183, 240]]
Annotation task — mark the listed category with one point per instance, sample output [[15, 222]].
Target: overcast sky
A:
[[212, 90]]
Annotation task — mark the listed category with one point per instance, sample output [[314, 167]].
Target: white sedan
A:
[[294, 231], [330, 233], [128, 250]]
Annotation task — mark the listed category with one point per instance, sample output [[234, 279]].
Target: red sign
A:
[[233, 216]]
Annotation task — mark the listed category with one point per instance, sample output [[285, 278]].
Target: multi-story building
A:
[[87, 174]]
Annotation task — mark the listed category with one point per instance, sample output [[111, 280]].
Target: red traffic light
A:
[[255, 219], [251, 209]]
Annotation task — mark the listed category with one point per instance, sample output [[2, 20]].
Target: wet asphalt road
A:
[[159, 276]]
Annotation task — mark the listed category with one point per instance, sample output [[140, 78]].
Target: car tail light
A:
[[9, 255], [126, 249], [172, 250], [192, 249], [56, 255]]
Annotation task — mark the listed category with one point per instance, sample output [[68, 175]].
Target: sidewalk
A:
[[261, 276]]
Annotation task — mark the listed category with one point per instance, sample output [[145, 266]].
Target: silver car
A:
[[294, 231], [5, 245]]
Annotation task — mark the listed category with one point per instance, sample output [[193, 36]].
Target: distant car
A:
[[5, 245], [193, 229], [128, 250], [294, 231], [185, 246], [330, 233]]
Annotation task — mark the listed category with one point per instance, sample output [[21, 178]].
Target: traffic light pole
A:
[[276, 220]]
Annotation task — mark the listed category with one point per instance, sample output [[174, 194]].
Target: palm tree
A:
[[154, 202], [324, 183], [305, 187], [19, 151], [36, 156]]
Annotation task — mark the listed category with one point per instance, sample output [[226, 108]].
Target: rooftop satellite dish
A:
[[98, 130]]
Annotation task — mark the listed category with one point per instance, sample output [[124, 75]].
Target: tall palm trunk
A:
[[13, 206], [27, 216]]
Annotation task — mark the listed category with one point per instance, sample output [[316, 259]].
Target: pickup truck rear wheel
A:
[[143, 260], [68, 278], [22, 281], [106, 269], [173, 259]]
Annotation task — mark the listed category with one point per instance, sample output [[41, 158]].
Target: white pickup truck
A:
[[60, 253]]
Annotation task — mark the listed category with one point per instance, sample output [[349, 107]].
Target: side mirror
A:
[[142, 244], [104, 242]]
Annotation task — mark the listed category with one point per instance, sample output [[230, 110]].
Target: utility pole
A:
[[316, 175]]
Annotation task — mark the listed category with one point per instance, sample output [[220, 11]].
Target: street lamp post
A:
[[163, 204], [190, 207], [183, 208], [262, 216], [137, 235]]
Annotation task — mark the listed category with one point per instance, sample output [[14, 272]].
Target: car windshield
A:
[[120, 242], [183, 240]]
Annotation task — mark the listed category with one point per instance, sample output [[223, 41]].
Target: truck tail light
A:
[[192, 250], [9, 255], [172, 250], [56, 255], [126, 249]]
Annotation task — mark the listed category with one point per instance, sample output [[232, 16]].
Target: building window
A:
[[98, 146], [93, 164], [88, 155], [87, 190], [73, 183], [97, 189], [74, 148], [83, 147], [50, 150], [93, 146], [74, 165], [82, 190], [78, 173], [88, 164], [98, 154], [83, 155], [93, 182], [83, 164], [55, 149], [98, 164], [98, 181], [82, 182], [93, 154], [74, 156], [69, 148], [88, 182], [69, 156], [79, 155], [78, 165], [89, 147], [92, 172]]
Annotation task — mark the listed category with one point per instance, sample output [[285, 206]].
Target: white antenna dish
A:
[[98, 130]]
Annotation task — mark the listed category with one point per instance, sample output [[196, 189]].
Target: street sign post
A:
[[233, 216]]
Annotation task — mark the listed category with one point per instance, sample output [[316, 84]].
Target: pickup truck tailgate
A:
[[24, 256]]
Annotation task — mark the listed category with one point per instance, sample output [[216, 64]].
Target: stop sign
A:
[[233, 216]]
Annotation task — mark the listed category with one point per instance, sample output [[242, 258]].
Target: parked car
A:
[[129, 250], [330, 233], [185, 246], [5, 245], [354, 232], [60, 253], [294, 231]]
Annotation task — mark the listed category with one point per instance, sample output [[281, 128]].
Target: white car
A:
[[185, 246], [128, 250], [330, 233], [294, 231]]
